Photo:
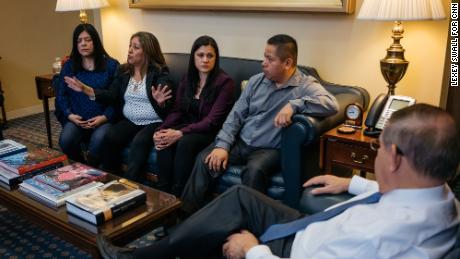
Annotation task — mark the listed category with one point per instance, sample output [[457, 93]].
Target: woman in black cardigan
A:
[[143, 98]]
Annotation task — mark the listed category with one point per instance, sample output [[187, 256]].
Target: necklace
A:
[[89, 66], [135, 84]]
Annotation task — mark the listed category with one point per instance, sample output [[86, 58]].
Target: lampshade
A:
[[76, 5], [401, 10]]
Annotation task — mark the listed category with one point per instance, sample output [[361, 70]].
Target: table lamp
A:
[[81, 5], [393, 66]]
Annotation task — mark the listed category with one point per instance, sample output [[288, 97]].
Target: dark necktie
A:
[[277, 231]]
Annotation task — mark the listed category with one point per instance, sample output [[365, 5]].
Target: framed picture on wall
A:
[[336, 6]]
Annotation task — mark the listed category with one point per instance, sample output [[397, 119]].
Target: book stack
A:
[[100, 204], [10, 147], [21, 164], [54, 187]]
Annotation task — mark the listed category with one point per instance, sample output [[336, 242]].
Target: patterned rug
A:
[[32, 130], [20, 238]]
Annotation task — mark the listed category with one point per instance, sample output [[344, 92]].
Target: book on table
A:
[[53, 187], [9, 147], [92, 228], [100, 204], [48, 195], [71, 176], [11, 180], [25, 162]]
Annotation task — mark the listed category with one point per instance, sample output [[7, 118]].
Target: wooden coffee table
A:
[[160, 207]]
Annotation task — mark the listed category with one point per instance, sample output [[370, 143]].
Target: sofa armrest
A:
[[311, 204], [300, 146]]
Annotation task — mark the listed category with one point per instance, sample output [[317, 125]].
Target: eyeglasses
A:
[[375, 145]]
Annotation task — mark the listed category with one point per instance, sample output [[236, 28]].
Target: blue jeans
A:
[[72, 136]]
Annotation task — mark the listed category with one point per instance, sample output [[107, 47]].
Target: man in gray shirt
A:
[[251, 134]]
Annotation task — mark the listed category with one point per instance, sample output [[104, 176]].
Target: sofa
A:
[[310, 204], [300, 141]]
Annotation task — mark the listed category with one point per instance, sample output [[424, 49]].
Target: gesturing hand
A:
[[217, 160], [238, 244], [283, 118], [161, 94], [332, 184], [74, 83]]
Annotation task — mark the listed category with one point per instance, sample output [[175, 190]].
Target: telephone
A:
[[381, 111]]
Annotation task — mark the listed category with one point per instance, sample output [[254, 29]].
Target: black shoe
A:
[[109, 251]]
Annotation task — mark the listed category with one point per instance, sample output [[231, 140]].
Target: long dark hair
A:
[[99, 53], [152, 53], [193, 78]]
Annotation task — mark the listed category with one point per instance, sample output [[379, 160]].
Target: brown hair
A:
[[152, 53]]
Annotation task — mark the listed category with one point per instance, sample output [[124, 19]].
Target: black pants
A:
[[203, 234], [176, 161], [119, 137], [259, 165]]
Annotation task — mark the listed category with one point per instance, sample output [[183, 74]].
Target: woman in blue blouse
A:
[[86, 120]]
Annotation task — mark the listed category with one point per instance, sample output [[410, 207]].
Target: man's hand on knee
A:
[[332, 184], [238, 244], [217, 160]]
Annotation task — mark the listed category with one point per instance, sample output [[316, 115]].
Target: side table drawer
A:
[[44, 86], [47, 90], [351, 155]]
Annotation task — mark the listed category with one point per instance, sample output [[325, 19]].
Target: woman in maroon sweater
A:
[[204, 98]]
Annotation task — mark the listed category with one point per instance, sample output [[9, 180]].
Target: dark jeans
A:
[[72, 136], [203, 234], [259, 165], [176, 161], [119, 137]]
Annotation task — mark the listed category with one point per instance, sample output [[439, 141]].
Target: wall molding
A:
[[27, 111]]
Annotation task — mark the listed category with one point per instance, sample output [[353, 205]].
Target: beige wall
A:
[[343, 49], [32, 35]]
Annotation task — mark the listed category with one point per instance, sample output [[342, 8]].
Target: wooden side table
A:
[[351, 151], [44, 92], [2, 106]]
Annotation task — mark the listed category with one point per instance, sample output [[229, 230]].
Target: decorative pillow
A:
[[243, 84]]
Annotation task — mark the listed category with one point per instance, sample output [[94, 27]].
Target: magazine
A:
[[49, 195], [71, 176], [11, 179]]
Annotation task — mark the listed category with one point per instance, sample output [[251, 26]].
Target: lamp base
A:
[[394, 66]]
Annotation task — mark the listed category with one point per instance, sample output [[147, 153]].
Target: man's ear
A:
[[395, 158], [289, 63]]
